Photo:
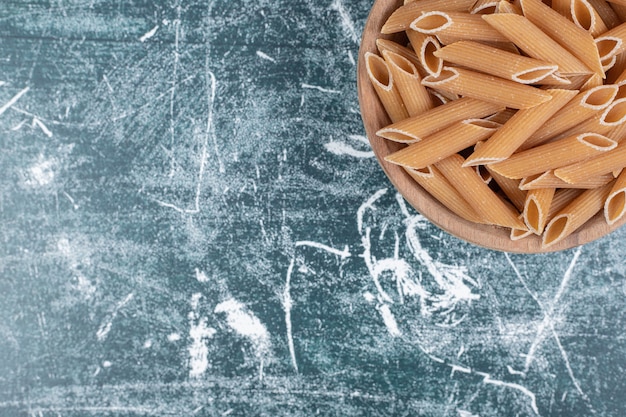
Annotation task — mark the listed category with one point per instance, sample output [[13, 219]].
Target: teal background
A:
[[192, 223]]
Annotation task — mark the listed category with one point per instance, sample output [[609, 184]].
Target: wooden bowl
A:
[[374, 118]]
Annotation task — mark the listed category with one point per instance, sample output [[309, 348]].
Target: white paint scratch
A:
[[18, 126], [568, 366], [454, 282], [515, 372], [43, 127], [71, 200], [368, 205], [345, 253], [203, 156], [531, 395], [149, 34], [103, 331], [464, 413], [199, 332], [549, 321], [346, 21], [201, 276], [13, 100], [42, 172], [287, 305], [548, 315], [389, 320], [340, 148], [105, 328], [265, 56], [321, 89], [173, 337], [246, 324], [459, 368]]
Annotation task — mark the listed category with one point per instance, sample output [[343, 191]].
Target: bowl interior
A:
[[374, 118]]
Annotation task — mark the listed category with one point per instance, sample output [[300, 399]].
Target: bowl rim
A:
[[486, 236]]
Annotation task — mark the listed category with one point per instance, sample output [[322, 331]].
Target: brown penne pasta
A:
[[415, 128], [554, 154], [382, 80], [500, 63], [444, 143], [402, 17], [575, 214], [487, 88]]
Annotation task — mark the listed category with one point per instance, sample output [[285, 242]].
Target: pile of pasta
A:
[[512, 112]]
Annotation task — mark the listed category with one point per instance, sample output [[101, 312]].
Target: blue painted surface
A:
[[194, 224]]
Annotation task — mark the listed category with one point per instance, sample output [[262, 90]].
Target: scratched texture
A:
[[193, 224]]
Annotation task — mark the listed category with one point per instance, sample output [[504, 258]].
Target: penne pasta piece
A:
[[604, 163], [621, 89], [402, 17], [620, 9], [536, 208], [612, 42], [485, 7], [502, 116], [415, 128], [562, 7], [487, 88], [573, 39], [382, 80], [519, 128], [615, 114], [457, 25], [438, 98], [478, 194], [587, 18], [594, 81], [510, 188], [577, 82], [496, 62], [518, 234], [582, 107], [606, 13], [617, 133], [535, 43], [556, 154], [431, 179], [386, 45], [505, 7], [562, 197], [617, 74], [615, 204], [555, 80], [446, 94], [592, 124], [414, 95], [549, 180], [574, 215], [444, 143], [482, 172], [607, 64], [425, 47]]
